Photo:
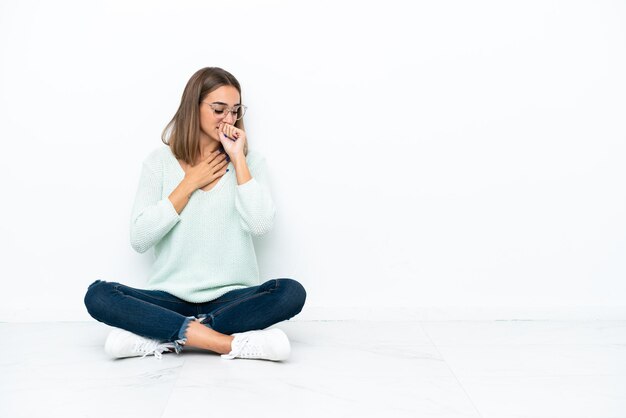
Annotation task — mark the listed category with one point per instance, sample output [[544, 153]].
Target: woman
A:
[[199, 202]]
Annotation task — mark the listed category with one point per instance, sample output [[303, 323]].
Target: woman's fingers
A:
[[229, 130], [217, 159], [219, 166], [226, 130], [212, 156], [212, 168], [214, 176], [217, 170]]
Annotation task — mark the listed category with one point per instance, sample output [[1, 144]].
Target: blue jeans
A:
[[160, 315]]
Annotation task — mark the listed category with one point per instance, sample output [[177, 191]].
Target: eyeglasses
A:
[[221, 110]]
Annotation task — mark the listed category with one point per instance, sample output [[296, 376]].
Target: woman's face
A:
[[209, 120]]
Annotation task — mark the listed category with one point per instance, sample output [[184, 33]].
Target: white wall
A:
[[435, 160]]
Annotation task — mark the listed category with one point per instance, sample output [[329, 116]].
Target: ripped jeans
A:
[[160, 315]]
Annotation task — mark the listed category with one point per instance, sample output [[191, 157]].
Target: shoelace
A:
[[152, 347], [244, 349]]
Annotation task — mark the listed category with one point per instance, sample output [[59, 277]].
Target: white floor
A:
[[488, 369]]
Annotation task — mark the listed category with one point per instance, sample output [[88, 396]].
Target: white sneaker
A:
[[271, 344], [121, 343]]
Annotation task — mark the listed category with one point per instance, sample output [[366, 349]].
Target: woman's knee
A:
[[96, 300], [295, 294]]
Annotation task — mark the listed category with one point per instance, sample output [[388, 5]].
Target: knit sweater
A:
[[207, 249]]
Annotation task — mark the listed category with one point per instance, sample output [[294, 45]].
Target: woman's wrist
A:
[[180, 195], [241, 170], [238, 159], [187, 185]]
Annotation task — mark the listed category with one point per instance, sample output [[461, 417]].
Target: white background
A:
[[444, 159]]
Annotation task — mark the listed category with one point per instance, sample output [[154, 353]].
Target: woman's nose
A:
[[229, 118]]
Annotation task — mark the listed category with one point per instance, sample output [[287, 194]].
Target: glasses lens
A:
[[221, 111], [240, 111]]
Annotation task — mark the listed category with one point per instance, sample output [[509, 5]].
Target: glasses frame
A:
[[228, 110]]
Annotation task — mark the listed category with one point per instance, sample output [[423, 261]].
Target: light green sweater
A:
[[207, 250]]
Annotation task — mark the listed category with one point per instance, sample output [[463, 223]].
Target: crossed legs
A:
[[159, 315], [201, 336]]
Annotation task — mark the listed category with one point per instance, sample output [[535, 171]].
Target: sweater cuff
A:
[[168, 209], [250, 184]]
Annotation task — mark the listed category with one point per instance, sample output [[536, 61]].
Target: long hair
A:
[[183, 131]]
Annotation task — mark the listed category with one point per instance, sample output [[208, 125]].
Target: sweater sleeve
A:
[[254, 203], [152, 216]]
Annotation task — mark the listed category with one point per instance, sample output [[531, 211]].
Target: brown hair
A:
[[183, 131]]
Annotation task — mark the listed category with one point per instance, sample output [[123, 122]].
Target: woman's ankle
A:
[[201, 336]]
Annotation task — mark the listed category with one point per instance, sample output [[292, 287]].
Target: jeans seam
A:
[[225, 300], [243, 300], [116, 287]]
